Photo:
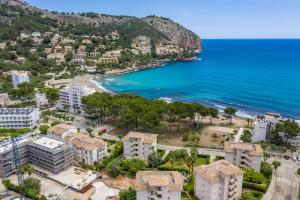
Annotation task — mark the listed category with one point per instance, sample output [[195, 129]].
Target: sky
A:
[[207, 18]]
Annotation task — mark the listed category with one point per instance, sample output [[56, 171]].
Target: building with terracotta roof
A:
[[244, 154], [158, 185], [87, 149], [139, 145], [60, 131], [220, 180]]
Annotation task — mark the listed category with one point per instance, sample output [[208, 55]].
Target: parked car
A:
[[286, 157]]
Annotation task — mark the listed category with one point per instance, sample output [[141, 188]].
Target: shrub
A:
[[255, 186], [166, 168], [254, 195], [129, 194], [185, 137], [298, 171], [180, 154], [251, 175], [266, 169]]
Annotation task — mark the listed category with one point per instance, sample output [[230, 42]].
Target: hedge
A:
[[207, 157], [255, 186], [165, 168]]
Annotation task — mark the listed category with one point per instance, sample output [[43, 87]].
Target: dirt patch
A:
[[120, 182]]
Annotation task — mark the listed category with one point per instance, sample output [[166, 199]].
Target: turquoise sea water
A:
[[255, 76]]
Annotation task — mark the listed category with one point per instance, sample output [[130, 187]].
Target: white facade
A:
[[61, 131], [18, 118], [263, 126], [70, 96], [139, 145], [158, 185], [218, 181], [244, 154], [87, 149], [19, 77]]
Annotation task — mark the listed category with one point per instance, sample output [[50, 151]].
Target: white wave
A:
[[99, 85], [110, 79], [166, 99], [244, 114], [219, 107]]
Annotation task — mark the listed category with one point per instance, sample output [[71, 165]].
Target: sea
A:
[[252, 75]]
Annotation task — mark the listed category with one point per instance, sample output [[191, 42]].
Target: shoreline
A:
[[243, 114]]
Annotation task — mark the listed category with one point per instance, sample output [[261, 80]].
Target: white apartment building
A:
[[18, 118], [19, 77], [218, 181], [244, 154], [263, 126], [139, 145], [155, 185], [87, 149], [60, 131], [70, 96]]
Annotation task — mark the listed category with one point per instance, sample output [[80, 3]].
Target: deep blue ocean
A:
[[254, 76]]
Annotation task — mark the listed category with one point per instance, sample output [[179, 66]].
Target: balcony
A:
[[231, 194], [232, 187], [232, 180]]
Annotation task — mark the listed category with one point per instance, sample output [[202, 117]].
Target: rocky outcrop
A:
[[176, 33]]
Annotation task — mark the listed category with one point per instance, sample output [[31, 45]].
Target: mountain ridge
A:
[[164, 29]]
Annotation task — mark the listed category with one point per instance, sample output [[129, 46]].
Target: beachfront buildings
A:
[[244, 154], [157, 185], [18, 118], [50, 154], [139, 145], [60, 131], [70, 97], [87, 149], [263, 125], [19, 77], [218, 181]]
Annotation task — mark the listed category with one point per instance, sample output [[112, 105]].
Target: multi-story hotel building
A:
[[70, 96], [218, 181], [18, 118], [139, 145], [156, 185], [244, 154]]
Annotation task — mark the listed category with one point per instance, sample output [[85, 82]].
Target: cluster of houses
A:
[[58, 46]]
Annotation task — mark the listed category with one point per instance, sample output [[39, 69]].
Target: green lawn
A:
[[12, 132]]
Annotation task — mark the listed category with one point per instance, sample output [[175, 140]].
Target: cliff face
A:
[[163, 28], [176, 33]]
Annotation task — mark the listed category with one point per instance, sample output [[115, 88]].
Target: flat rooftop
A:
[[16, 111], [48, 142], [6, 145]]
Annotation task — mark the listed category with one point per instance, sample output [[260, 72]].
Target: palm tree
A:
[[191, 161], [30, 169], [276, 164]]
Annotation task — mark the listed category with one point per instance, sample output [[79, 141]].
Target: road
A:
[[285, 182]]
